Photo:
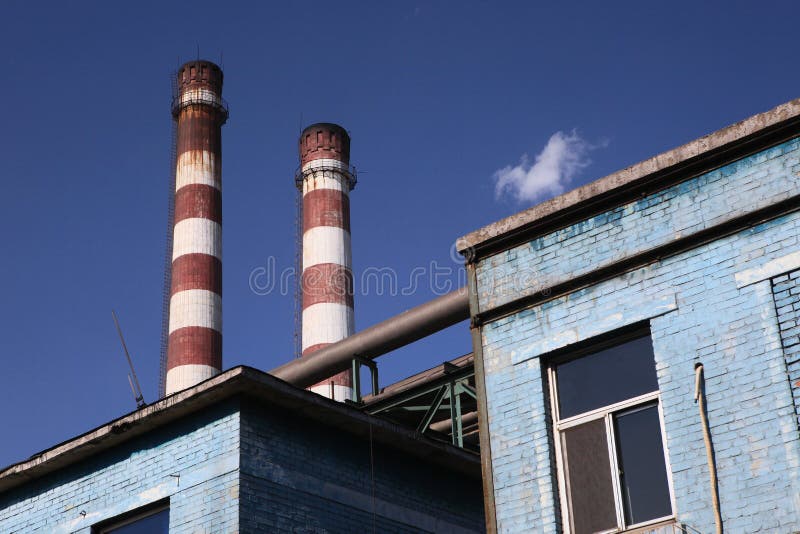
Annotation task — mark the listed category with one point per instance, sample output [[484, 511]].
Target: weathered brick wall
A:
[[202, 449], [786, 291], [713, 304], [299, 476]]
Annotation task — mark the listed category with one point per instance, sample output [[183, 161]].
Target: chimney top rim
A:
[[199, 62], [325, 126]]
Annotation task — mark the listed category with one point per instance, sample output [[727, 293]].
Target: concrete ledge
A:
[[718, 141], [602, 321]]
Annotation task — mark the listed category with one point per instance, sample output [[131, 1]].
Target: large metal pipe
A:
[[391, 334], [467, 419]]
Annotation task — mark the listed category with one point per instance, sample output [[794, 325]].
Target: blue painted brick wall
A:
[[786, 291], [202, 449], [306, 477], [698, 310]]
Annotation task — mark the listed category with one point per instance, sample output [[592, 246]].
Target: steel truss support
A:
[[446, 396], [373, 371]]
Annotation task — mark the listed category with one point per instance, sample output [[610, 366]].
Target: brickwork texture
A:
[[193, 463], [332, 482], [786, 291]]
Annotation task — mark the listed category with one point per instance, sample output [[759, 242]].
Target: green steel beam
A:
[[437, 401]]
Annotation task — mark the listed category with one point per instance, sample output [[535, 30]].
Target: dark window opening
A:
[[645, 489], [606, 377], [149, 520]]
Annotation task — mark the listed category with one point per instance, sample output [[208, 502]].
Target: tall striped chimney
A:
[[327, 279], [194, 349]]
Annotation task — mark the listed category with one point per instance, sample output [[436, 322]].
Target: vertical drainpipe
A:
[[194, 348], [325, 180]]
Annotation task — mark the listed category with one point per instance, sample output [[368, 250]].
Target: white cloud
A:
[[564, 156]]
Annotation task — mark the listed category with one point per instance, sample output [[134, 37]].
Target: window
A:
[[609, 444], [149, 520]]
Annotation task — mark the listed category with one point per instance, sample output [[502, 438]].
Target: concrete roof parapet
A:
[[754, 131]]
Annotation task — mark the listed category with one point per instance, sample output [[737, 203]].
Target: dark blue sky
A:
[[437, 97]]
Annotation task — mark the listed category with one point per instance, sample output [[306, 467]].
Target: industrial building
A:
[[636, 344], [635, 365]]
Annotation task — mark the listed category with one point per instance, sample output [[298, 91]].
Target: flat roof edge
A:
[[130, 425], [720, 140], [240, 380]]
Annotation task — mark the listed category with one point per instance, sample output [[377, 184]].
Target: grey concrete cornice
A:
[[701, 155]]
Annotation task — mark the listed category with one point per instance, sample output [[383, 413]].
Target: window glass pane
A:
[[157, 523], [645, 490], [606, 377], [591, 493]]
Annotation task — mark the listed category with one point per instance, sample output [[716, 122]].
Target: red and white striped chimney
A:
[[194, 350], [327, 279]]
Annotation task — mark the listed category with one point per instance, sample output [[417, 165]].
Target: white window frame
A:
[[606, 413]]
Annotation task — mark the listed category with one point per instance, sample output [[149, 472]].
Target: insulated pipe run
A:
[[700, 399], [467, 419], [194, 348], [377, 340], [325, 182]]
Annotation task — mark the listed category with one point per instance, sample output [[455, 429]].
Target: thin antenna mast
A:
[[298, 273], [298, 254], [166, 289], [137, 391]]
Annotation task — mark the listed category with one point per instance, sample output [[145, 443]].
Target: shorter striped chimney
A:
[[327, 279], [194, 349]]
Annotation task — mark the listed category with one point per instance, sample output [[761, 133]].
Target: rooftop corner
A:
[[722, 146]]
